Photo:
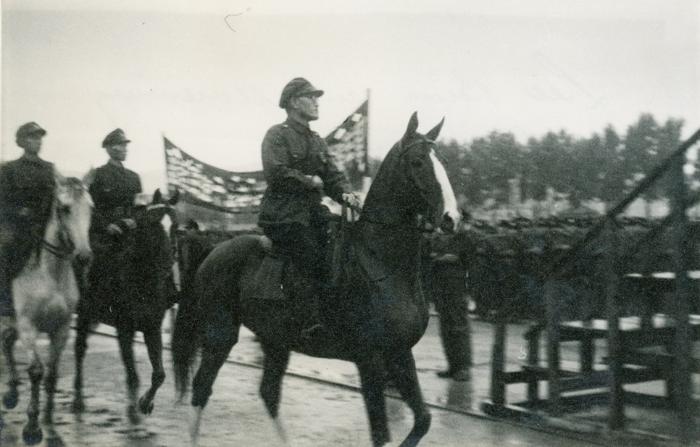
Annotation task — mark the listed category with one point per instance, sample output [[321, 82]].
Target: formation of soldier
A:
[[27, 187]]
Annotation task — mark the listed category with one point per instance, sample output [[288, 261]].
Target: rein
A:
[[61, 252]]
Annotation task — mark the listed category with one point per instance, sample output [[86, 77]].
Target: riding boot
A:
[[315, 327]]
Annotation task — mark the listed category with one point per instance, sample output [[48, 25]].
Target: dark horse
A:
[[377, 315], [130, 288]]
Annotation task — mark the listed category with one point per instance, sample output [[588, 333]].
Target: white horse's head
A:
[[74, 212]]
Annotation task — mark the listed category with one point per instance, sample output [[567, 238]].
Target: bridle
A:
[[421, 226], [65, 247]]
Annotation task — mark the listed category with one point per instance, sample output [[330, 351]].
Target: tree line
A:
[[604, 166]]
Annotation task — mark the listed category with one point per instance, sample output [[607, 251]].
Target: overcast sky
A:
[[209, 76]]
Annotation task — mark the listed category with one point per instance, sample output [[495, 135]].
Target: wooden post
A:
[[552, 299], [682, 383], [533, 358], [615, 349], [498, 387]]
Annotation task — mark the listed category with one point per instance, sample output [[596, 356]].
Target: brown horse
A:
[[130, 288], [376, 316]]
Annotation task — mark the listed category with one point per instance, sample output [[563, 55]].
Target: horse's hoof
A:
[[55, 442], [145, 406], [32, 435], [133, 415], [78, 406], [9, 400]]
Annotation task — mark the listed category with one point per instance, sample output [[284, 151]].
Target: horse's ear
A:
[[435, 131], [174, 198], [157, 197], [89, 177], [412, 127]]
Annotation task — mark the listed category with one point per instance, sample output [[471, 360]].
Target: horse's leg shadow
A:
[[126, 348], [82, 330], [274, 365], [8, 334], [154, 344], [371, 371], [402, 370]]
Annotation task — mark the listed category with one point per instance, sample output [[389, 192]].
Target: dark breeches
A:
[[304, 244], [15, 251], [449, 294]]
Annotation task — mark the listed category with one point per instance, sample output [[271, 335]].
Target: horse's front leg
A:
[[8, 334], [372, 378], [81, 335], [402, 370], [154, 344], [126, 348], [58, 343], [32, 433]]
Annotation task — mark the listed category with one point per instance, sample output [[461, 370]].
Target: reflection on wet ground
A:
[[315, 414]]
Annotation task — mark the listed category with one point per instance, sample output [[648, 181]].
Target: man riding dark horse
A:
[[298, 168], [27, 188], [113, 189]]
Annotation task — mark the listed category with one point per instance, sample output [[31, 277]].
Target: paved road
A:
[[315, 414]]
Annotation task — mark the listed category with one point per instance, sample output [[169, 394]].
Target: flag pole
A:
[[366, 180]]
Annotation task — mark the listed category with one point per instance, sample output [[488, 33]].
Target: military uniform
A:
[[113, 191], [27, 188], [448, 253], [291, 213]]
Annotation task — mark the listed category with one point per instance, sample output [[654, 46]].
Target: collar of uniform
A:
[[27, 159], [298, 127], [115, 164]]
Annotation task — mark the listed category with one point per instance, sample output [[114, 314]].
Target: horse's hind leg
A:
[[81, 335], [126, 348], [8, 334], [220, 336], [32, 433], [371, 372], [274, 366], [402, 369], [154, 344]]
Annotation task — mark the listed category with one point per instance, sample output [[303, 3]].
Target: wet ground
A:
[[316, 412]]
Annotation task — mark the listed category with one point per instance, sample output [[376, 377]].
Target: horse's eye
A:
[[416, 163], [64, 209]]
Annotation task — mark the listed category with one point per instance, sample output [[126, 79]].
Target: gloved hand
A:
[[114, 229], [351, 199]]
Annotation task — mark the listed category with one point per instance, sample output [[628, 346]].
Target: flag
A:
[[347, 145], [211, 187]]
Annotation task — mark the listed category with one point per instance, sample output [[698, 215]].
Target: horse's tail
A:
[[206, 307], [185, 338]]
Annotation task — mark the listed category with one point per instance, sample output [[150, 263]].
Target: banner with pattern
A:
[[347, 145], [208, 186]]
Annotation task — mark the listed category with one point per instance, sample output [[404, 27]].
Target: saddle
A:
[[277, 272]]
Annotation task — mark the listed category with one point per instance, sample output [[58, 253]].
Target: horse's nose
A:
[[84, 257], [448, 224]]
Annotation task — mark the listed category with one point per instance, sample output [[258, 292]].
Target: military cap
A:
[[116, 136], [297, 87], [30, 128]]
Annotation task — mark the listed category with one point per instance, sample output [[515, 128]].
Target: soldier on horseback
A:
[[27, 188], [113, 189], [298, 169]]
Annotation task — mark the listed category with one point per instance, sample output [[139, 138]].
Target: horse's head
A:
[[156, 223], [426, 175], [73, 212]]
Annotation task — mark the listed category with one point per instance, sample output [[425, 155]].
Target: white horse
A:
[[45, 295]]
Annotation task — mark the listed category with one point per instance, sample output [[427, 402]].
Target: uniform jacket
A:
[[290, 152], [26, 193], [113, 190]]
